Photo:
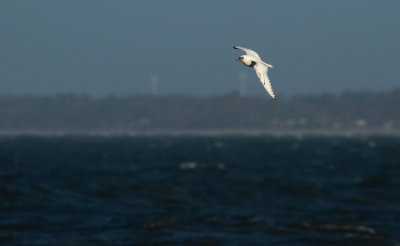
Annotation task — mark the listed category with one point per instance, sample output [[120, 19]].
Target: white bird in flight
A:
[[252, 59]]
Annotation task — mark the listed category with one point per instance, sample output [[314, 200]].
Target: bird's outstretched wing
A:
[[262, 74], [248, 52]]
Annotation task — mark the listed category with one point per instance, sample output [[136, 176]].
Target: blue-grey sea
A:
[[199, 190]]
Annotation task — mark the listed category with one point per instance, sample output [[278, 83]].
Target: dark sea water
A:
[[199, 191]]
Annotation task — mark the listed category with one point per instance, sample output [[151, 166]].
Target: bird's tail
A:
[[268, 65]]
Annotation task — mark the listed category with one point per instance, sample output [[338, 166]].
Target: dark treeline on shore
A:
[[231, 111]]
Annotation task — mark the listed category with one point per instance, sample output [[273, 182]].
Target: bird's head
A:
[[240, 58], [246, 60]]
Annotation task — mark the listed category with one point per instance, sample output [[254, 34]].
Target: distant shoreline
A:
[[205, 132]]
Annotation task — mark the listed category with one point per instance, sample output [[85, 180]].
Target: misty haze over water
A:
[[363, 112]]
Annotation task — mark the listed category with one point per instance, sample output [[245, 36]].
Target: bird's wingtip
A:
[[235, 47]]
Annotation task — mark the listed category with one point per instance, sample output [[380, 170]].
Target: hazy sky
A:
[[113, 47]]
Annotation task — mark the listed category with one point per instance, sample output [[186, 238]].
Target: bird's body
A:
[[252, 59]]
